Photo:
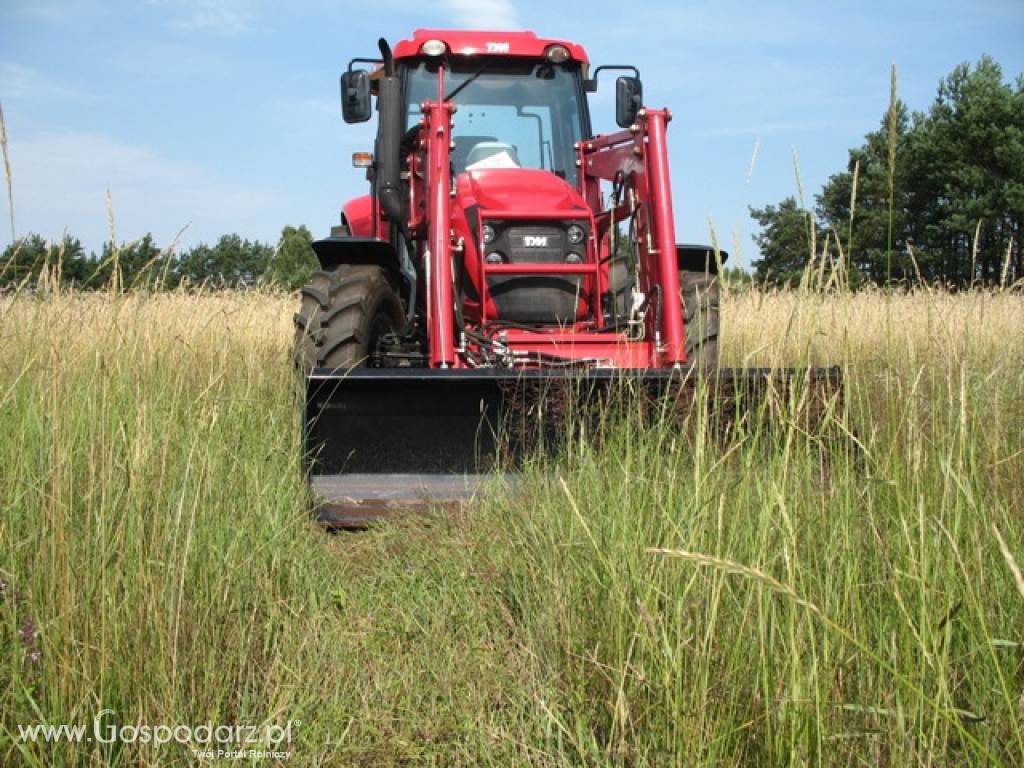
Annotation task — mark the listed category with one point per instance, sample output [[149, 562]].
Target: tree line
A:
[[935, 196], [231, 262]]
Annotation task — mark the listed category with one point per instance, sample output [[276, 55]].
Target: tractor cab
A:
[[512, 113]]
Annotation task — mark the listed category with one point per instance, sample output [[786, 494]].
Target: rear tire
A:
[[344, 314], [700, 294]]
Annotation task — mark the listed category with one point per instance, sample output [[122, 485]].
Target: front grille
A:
[[541, 299]]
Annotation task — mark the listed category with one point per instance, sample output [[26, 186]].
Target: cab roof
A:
[[462, 42]]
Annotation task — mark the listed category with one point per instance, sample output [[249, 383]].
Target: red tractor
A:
[[502, 243]]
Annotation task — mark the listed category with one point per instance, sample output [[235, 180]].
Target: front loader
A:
[[504, 252]]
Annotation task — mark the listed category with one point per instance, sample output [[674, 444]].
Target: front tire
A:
[[343, 316]]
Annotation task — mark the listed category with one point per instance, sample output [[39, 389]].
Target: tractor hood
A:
[[520, 189]]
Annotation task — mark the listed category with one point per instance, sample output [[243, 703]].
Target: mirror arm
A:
[[590, 85], [364, 61]]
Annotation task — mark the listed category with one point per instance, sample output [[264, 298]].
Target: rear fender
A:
[[699, 258]]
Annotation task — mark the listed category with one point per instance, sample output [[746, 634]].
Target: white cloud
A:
[[53, 11], [20, 82], [61, 179], [220, 17], [484, 14]]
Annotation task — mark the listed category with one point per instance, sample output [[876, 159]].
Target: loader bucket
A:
[[380, 440]]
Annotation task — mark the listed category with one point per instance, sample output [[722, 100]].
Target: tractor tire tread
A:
[[338, 313], [700, 293]]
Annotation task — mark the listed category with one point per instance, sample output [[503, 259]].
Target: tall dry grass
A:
[[668, 597]]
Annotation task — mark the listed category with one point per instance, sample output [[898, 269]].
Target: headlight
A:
[[488, 233], [434, 48], [495, 258], [576, 234], [556, 54], [573, 258]]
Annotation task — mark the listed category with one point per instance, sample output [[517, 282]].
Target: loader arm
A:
[[637, 159], [435, 136]]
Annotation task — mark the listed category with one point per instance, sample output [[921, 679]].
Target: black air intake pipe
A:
[[389, 140], [388, 173]]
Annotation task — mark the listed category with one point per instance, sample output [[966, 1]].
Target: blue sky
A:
[[222, 115]]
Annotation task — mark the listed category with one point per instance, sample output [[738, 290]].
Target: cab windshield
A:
[[512, 114]]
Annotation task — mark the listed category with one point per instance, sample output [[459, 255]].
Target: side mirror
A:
[[355, 96], [629, 98]]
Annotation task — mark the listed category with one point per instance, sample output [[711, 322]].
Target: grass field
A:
[[670, 598]]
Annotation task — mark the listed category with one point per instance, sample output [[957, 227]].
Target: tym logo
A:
[[535, 241], [498, 47]]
